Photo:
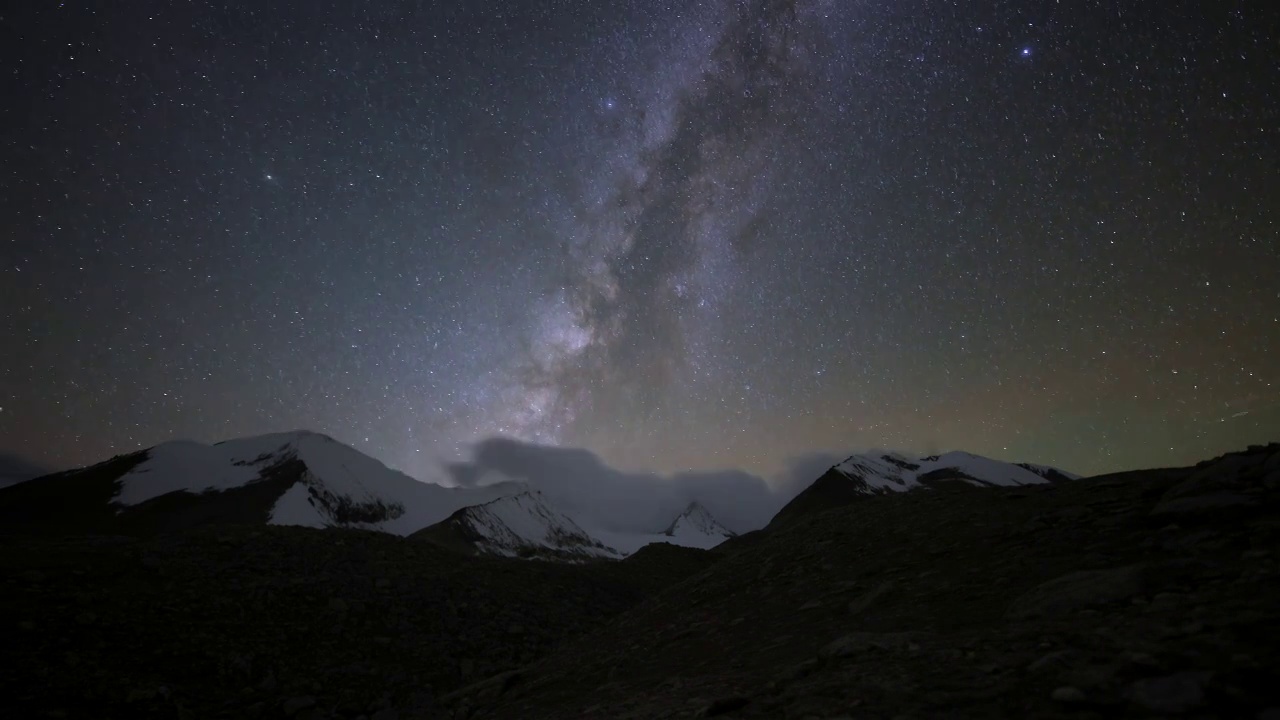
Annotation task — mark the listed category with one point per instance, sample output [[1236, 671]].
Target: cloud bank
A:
[[618, 500]]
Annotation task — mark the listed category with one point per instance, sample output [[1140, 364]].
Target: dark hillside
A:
[[1144, 594]]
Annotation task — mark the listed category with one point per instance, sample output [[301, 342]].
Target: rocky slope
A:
[[1145, 594], [267, 622]]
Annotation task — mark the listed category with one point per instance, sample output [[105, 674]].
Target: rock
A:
[[797, 671], [866, 601], [1271, 713], [382, 583], [860, 642], [1177, 693], [515, 629], [1273, 463], [1077, 591], [1053, 660], [338, 605], [87, 618], [1067, 695], [811, 605], [725, 705], [386, 714], [141, 694], [295, 705], [1142, 659], [1201, 504], [466, 667]]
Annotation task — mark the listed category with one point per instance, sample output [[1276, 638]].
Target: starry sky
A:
[[681, 234]]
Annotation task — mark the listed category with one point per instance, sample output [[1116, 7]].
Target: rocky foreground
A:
[[1142, 594]]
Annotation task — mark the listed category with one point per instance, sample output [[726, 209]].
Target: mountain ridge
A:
[[1139, 594], [520, 525], [697, 520], [308, 479], [878, 473]]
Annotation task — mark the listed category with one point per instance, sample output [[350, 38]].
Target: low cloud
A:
[[584, 485]]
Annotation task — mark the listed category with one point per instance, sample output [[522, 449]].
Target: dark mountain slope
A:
[[79, 501], [1144, 594], [243, 622], [832, 490], [66, 500]]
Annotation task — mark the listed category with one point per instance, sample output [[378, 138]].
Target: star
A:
[[596, 230]]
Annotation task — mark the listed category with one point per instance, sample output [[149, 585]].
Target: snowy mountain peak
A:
[[292, 478], [520, 525], [895, 472], [335, 484], [879, 473], [695, 527]]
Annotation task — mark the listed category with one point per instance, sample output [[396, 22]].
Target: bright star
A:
[[1026, 52]]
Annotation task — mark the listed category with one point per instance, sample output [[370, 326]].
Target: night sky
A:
[[679, 234]]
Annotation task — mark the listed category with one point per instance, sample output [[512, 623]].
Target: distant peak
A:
[[696, 518]]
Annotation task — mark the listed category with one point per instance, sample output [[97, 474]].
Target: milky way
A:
[[680, 235], [650, 240]]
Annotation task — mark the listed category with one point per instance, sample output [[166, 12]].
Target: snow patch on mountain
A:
[[981, 470], [895, 472]]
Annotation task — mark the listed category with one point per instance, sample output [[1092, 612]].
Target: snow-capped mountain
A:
[[893, 472], [696, 528], [880, 473], [528, 524], [307, 479], [339, 485], [296, 478], [520, 525]]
